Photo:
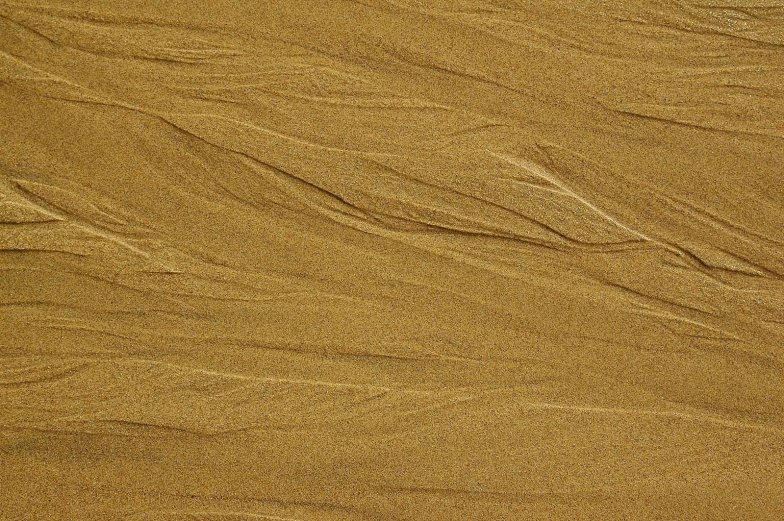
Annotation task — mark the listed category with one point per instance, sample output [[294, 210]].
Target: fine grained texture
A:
[[391, 260]]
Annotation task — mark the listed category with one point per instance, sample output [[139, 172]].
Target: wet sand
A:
[[391, 260]]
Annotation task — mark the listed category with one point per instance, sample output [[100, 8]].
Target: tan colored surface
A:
[[396, 260]]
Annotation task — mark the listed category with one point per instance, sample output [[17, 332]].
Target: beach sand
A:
[[391, 260]]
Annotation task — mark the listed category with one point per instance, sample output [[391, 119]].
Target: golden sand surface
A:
[[391, 260]]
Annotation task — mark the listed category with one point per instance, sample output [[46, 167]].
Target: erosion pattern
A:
[[405, 260]]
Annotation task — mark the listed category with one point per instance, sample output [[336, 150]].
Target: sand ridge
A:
[[384, 259]]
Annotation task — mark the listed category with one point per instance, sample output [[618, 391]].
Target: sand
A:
[[391, 260]]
